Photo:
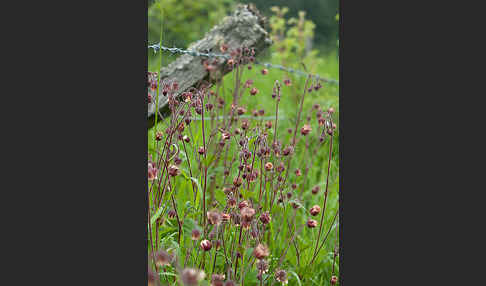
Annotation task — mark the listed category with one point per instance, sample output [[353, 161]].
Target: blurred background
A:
[[303, 30]]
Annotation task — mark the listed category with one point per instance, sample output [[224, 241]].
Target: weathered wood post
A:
[[244, 28]]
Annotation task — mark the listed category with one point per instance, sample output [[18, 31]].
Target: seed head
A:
[[206, 245]]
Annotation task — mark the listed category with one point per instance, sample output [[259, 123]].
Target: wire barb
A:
[[157, 47]]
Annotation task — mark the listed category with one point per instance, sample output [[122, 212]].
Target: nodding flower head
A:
[[268, 124], [334, 280], [268, 166], [231, 202], [225, 217], [306, 129], [191, 276], [265, 218], [240, 110], [206, 245], [316, 189], [201, 150], [237, 181], [171, 214], [152, 278], [243, 204], [162, 258], [152, 172], [330, 110], [264, 71], [214, 217], [311, 223], [217, 279], [159, 136], [261, 251], [298, 173], [262, 266], [195, 234], [287, 82], [315, 210], [174, 170], [254, 91], [281, 276]]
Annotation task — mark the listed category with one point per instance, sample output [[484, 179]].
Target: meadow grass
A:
[[299, 271]]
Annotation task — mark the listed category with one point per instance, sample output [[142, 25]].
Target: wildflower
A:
[[244, 124], [288, 150], [330, 110], [254, 91], [152, 278], [206, 245], [289, 195], [265, 218], [315, 189], [247, 214], [262, 266], [231, 202], [281, 276], [174, 170], [237, 181], [186, 139], [225, 217], [171, 213], [152, 172], [264, 71], [214, 217], [229, 283], [243, 204], [315, 210], [311, 223], [191, 276], [162, 258], [268, 166], [248, 83], [294, 186], [268, 124], [298, 173], [287, 82], [334, 280], [177, 160], [330, 131], [261, 251], [305, 129], [241, 110], [223, 48], [149, 98], [217, 279], [281, 167], [261, 112], [196, 234], [201, 150], [225, 136]]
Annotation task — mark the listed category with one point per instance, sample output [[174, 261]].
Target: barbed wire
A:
[[174, 50]]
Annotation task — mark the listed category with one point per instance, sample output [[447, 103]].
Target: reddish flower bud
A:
[[206, 245], [201, 150], [268, 166], [305, 129], [196, 234], [261, 251], [315, 210], [311, 223], [254, 91]]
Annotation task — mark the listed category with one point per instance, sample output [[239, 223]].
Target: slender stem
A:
[[325, 199]]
